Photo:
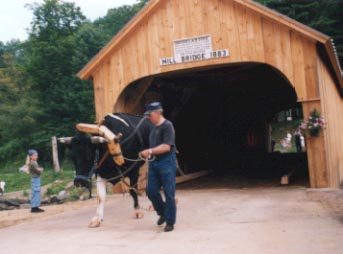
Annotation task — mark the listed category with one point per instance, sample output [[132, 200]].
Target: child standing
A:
[[35, 172]]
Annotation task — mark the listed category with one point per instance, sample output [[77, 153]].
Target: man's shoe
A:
[[40, 210], [36, 210], [169, 228], [161, 220]]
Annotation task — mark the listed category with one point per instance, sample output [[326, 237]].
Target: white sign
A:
[[193, 49]]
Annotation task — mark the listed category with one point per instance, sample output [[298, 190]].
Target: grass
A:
[[280, 131], [16, 181]]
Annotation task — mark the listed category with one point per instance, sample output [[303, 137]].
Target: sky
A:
[[15, 18]]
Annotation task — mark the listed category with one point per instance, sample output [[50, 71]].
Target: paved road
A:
[[275, 220]]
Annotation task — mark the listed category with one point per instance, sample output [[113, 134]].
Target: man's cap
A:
[[32, 152], [152, 107]]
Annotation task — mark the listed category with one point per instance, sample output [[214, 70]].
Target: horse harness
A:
[[121, 174]]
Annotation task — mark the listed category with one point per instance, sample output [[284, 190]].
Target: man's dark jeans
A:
[[162, 174]]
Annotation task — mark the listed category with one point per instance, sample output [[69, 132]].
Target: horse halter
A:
[[91, 172], [113, 145]]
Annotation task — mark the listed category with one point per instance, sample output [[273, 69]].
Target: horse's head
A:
[[113, 141], [83, 150]]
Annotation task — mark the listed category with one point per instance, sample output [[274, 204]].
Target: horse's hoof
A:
[[139, 214], [94, 224]]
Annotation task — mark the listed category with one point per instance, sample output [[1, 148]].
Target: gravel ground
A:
[[251, 219]]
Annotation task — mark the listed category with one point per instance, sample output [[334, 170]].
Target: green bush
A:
[[74, 193], [56, 188]]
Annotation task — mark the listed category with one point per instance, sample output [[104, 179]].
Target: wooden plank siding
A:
[[298, 65], [249, 36], [319, 174], [240, 14], [286, 56], [229, 31], [332, 110], [316, 152], [251, 33]]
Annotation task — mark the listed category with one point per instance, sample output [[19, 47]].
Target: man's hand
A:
[[145, 153]]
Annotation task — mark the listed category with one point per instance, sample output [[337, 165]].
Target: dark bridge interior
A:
[[222, 117]]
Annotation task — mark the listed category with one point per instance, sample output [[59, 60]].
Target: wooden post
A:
[[315, 147], [192, 176], [55, 154]]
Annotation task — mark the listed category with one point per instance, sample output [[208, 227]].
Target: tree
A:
[[50, 70], [40, 95], [17, 110]]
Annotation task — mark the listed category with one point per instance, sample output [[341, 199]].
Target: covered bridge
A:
[[222, 69]]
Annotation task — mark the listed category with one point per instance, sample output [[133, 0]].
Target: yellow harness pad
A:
[[88, 128], [113, 147]]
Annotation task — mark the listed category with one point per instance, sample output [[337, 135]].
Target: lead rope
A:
[[121, 175], [134, 131], [140, 158]]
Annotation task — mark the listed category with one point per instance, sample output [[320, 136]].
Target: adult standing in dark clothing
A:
[[297, 138], [162, 169]]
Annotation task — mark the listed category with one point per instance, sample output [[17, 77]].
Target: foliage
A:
[[279, 132], [314, 124], [17, 112], [40, 95], [62, 98], [56, 187], [61, 41], [116, 18], [75, 193]]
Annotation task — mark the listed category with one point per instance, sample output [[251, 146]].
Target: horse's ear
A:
[[65, 140], [98, 140]]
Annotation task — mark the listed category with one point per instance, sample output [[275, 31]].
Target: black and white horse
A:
[[93, 154]]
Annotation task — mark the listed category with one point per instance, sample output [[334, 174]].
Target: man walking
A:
[[162, 169]]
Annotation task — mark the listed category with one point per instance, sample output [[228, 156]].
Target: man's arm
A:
[[160, 149]]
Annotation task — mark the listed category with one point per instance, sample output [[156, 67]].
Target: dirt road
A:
[[275, 220]]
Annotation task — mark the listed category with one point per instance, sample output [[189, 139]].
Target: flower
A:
[[314, 124]]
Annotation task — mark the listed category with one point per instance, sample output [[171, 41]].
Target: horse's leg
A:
[[138, 213], [101, 195], [90, 190]]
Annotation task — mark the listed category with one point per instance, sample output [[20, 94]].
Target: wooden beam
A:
[[129, 102], [285, 178], [192, 176], [309, 100]]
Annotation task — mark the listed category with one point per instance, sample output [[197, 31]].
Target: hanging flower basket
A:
[[314, 132], [314, 124]]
